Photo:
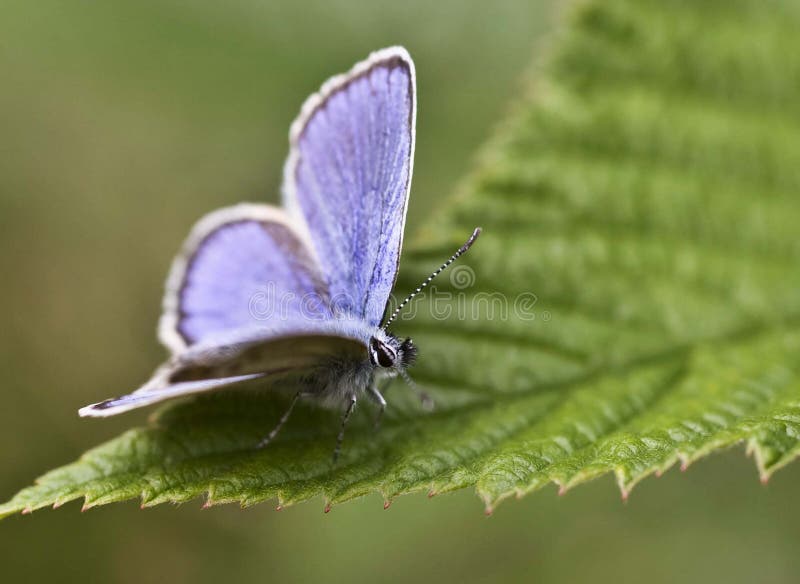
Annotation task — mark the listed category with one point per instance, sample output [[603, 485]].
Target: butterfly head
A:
[[390, 352]]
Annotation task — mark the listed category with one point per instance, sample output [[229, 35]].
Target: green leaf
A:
[[640, 215]]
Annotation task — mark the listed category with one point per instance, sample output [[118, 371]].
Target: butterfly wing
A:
[[346, 185], [285, 348], [240, 267], [151, 395], [348, 177]]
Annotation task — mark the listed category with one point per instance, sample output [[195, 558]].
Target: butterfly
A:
[[299, 294]]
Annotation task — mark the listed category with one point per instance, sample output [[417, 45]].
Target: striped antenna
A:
[[461, 251]]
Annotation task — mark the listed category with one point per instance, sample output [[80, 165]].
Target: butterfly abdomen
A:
[[306, 365]]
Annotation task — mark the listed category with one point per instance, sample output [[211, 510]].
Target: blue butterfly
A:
[[300, 293]]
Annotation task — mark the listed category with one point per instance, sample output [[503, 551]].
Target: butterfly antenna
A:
[[461, 251]]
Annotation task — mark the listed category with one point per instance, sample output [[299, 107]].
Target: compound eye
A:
[[382, 354]]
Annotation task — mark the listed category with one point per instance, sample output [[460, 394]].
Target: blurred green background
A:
[[121, 123]]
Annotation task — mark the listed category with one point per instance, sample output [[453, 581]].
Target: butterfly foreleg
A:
[[345, 418], [424, 398], [376, 395]]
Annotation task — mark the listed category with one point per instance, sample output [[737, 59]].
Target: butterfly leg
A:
[[345, 418], [282, 421], [375, 395], [424, 398]]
